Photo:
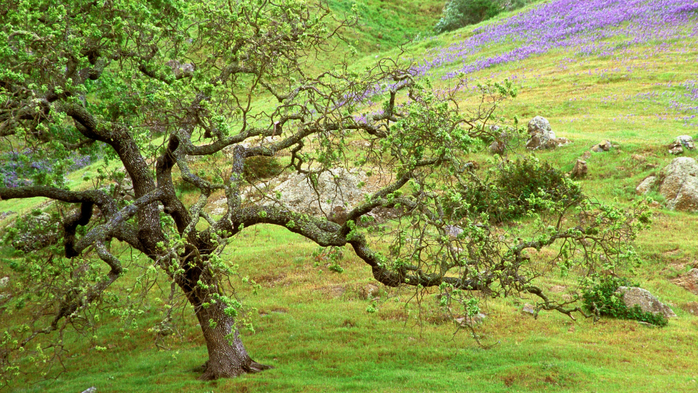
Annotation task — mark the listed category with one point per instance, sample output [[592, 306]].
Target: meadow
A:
[[626, 71]]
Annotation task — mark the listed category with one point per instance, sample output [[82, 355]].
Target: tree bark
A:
[[227, 356]]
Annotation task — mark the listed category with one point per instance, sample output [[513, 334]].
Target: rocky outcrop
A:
[[634, 296], [541, 135]]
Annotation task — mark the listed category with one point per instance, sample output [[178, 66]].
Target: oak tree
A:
[[150, 87]]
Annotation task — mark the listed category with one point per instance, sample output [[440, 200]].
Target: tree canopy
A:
[[149, 87]]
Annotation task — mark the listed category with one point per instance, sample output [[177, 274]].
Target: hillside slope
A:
[[619, 70]]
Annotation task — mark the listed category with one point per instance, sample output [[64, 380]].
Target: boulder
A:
[[634, 296], [541, 136], [680, 185], [333, 189], [646, 185], [601, 147], [580, 170]]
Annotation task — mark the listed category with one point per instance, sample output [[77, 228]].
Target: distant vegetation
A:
[[459, 13]]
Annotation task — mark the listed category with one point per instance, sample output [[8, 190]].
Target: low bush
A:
[[515, 188], [459, 13], [261, 167], [601, 299]]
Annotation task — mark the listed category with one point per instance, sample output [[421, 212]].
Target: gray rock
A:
[[453, 230], [686, 142], [528, 309], [90, 390], [498, 147], [634, 296], [675, 149], [336, 188], [680, 185], [540, 125], [4, 281], [541, 136], [181, 69], [476, 319], [602, 147], [646, 185]]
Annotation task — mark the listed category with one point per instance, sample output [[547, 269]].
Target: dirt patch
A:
[[691, 308], [269, 280]]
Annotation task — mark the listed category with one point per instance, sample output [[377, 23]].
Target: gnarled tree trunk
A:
[[227, 356]]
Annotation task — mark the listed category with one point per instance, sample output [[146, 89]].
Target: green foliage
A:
[[517, 187], [600, 298], [459, 13]]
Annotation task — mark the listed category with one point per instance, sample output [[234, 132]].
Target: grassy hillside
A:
[[385, 24], [624, 71]]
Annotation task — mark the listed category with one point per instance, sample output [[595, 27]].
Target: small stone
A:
[[602, 147], [498, 147], [528, 309], [90, 390], [476, 319], [675, 150], [685, 141], [580, 170], [453, 231], [4, 281]]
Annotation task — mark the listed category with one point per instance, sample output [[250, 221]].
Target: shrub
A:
[[601, 299], [518, 187], [261, 167], [459, 13]]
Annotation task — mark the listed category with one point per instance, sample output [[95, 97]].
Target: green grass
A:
[[320, 339]]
